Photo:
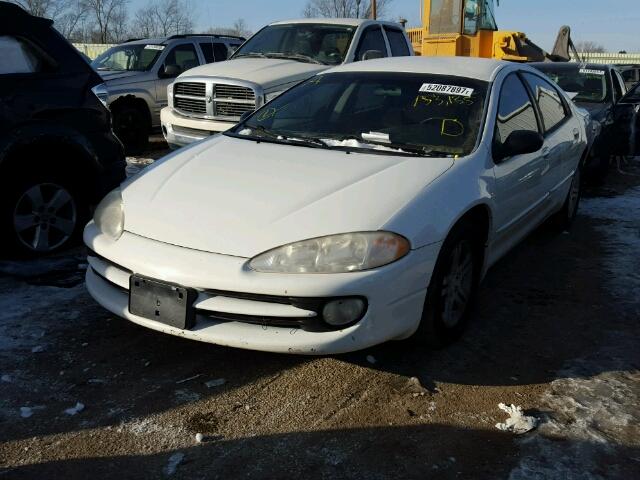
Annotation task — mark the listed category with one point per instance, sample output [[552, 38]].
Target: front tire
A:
[[452, 289], [131, 126]]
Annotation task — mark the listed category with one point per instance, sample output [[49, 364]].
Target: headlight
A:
[[102, 93], [170, 95], [348, 252], [109, 215], [270, 96]]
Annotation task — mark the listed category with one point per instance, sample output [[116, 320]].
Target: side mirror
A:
[[245, 115], [518, 142], [372, 54], [169, 71]]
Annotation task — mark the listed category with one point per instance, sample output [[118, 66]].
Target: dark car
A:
[[631, 74], [58, 155], [597, 89]]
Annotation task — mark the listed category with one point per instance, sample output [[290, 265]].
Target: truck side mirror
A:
[[169, 71], [372, 54]]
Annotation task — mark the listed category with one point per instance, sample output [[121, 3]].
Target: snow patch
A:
[[77, 408], [517, 422], [172, 465]]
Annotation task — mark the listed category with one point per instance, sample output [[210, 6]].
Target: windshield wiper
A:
[[268, 134], [409, 148], [295, 56], [251, 54]]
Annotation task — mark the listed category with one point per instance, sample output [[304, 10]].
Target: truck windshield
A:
[[402, 113], [588, 82], [305, 42], [128, 58]]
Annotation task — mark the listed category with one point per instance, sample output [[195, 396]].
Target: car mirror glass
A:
[[169, 71], [519, 142]]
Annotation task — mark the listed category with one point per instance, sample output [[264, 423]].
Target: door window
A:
[[372, 39], [397, 42], [18, 56], [184, 56], [617, 79], [549, 101], [515, 110], [214, 52]]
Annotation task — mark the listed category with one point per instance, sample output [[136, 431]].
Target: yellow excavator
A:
[[468, 28]]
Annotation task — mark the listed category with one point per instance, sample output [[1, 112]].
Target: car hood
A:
[[108, 75], [237, 197], [267, 72]]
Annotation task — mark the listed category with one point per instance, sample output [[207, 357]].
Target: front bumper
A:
[[395, 295], [179, 130]]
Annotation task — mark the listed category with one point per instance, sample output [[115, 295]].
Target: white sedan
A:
[[361, 206]]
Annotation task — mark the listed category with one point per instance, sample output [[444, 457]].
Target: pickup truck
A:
[[210, 99]]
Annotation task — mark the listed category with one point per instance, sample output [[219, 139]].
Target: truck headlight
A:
[[109, 215], [102, 93], [348, 252], [170, 95]]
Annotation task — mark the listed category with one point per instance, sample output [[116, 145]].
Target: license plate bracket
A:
[[162, 302]]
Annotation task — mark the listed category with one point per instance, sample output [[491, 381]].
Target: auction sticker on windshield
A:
[[588, 71], [446, 89], [154, 47]]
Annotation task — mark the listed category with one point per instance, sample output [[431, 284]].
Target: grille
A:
[[190, 88], [190, 105], [226, 109], [234, 92]]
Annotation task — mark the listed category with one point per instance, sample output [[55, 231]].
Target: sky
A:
[[612, 23]]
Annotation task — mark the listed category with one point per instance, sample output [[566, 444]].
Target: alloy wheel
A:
[[45, 217], [457, 284]]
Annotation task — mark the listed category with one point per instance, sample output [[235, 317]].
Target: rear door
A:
[[521, 181], [627, 123], [561, 132]]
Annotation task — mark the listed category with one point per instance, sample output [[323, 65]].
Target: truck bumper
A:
[[179, 131]]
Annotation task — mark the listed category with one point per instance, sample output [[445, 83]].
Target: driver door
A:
[[627, 124], [185, 57]]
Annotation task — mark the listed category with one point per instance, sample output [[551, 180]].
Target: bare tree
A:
[[588, 46], [109, 16], [344, 8], [239, 29], [66, 14], [162, 18]]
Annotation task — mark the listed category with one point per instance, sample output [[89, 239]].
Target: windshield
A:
[[404, 113], [128, 58], [589, 83], [315, 43]]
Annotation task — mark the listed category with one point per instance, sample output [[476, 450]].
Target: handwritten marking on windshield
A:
[[270, 112], [441, 100], [451, 127]]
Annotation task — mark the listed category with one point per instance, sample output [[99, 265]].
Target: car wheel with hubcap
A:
[[565, 217], [42, 216], [452, 289]]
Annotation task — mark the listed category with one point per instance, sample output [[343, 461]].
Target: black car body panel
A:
[[52, 126], [600, 109]]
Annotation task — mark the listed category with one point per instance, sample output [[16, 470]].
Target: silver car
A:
[[137, 73]]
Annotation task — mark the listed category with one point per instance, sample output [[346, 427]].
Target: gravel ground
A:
[[83, 393]]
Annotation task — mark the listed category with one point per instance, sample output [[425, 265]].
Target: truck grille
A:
[[221, 101], [194, 89], [190, 105]]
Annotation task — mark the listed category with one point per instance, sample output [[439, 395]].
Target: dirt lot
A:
[[556, 332]]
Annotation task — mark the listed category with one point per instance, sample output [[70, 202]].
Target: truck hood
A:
[[267, 72], [236, 197]]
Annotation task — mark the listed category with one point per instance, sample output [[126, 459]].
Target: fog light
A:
[[343, 311]]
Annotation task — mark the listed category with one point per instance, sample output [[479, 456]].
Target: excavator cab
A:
[[468, 28]]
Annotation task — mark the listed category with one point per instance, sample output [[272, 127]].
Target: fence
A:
[[92, 50], [613, 58]]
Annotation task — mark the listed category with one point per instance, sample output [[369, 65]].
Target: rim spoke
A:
[[35, 196], [59, 200], [22, 222], [64, 225], [41, 239]]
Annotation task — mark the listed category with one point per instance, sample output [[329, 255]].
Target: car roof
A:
[[571, 65], [477, 68], [165, 40], [353, 22]]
